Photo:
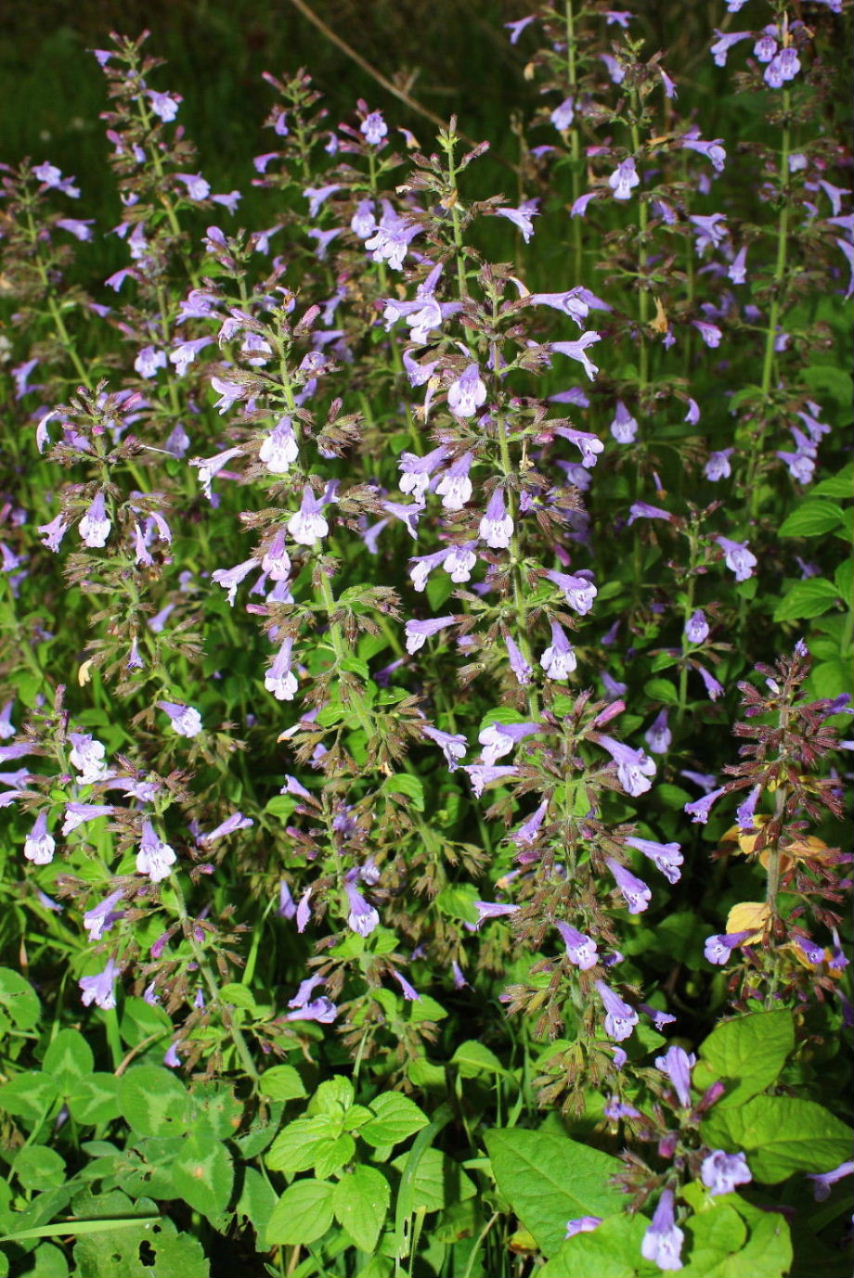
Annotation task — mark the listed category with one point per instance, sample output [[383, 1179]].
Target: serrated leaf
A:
[[811, 518], [780, 1135], [395, 1118], [360, 1203], [302, 1215], [282, 1082], [257, 1200], [438, 1181], [804, 599], [611, 1251], [410, 786], [549, 1179], [297, 1145], [333, 1096], [748, 1053]]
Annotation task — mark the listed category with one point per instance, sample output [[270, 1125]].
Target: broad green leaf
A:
[[219, 1108], [333, 1096], [29, 1096], [154, 1101], [332, 1155], [19, 1003], [47, 1261], [457, 901], [203, 1174], [410, 786], [360, 1202], [396, 1117], [298, 1145], [811, 518], [282, 1082], [472, 1058], [141, 1021], [425, 1008], [806, 599], [68, 1059], [302, 1215], [611, 1251], [549, 1179], [257, 1200], [843, 579], [661, 690], [780, 1135], [238, 995], [841, 485], [38, 1167], [438, 1181], [94, 1100], [748, 1053], [713, 1238]]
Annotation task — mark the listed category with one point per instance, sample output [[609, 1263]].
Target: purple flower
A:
[[559, 659], [724, 43], [303, 912], [100, 989], [499, 739], [713, 151], [714, 689], [699, 810], [635, 892], [39, 845], [822, 1181], [718, 467], [280, 679], [363, 918], [410, 993], [615, 69], [363, 222], [667, 857], [95, 525], [391, 239], [279, 450], [620, 1017], [530, 829], [492, 910], [578, 350], [308, 525], [677, 1064], [418, 632], [100, 918], [496, 526], [185, 720], [579, 207], [482, 774], [53, 533], [643, 510], [624, 427], [164, 104], [582, 1225], [697, 627], [77, 814], [322, 1010], [237, 821], [563, 115], [467, 393], [624, 179], [718, 948], [721, 1172], [710, 333], [738, 557], [662, 1242], [710, 230], [520, 667], [453, 745], [415, 471], [516, 28], [658, 735], [374, 128], [634, 768], [782, 68], [737, 269], [615, 1108], [578, 591], [230, 578], [318, 195], [580, 949], [455, 487], [155, 858]]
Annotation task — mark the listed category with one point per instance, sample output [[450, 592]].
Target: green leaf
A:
[[257, 1200], [843, 579], [282, 1082], [437, 1182], [203, 1174], [219, 1108], [410, 786], [549, 1179], [611, 1251], [828, 379], [19, 1004], [154, 1101], [68, 1059], [302, 1215], [298, 1145], [841, 485], [29, 1096], [809, 598], [141, 1021], [472, 1058], [425, 1008], [780, 1135], [47, 1261], [333, 1096], [661, 690], [748, 1053], [811, 518], [94, 1100], [396, 1117], [360, 1202], [239, 996], [38, 1167], [457, 901]]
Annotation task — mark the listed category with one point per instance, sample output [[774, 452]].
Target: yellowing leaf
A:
[[749, 916], [746, 839], [84, 673], [659, 323]]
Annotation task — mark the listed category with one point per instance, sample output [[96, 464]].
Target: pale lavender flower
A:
[[308, 525], [323, 240], [7, 729], [737, 269], [530, 829], [718, 948], [415, 472], [230, 578], [87, 756], [467, 393], [178, 442], [100, 989], [624, 178], [453, 745], [714, 688], [710, 333], [318, 195], [482, 774], [77, 814], [559, 659], [522, 217], [697, 627], [658, 735], [718, 467], [782, 68], [720, 49], [738, 557], [53, 533], [713, 151], [149, 360], [520, 667], [185, 720], [588, 444], [154, 858], [578, 350], [493, 910], [578, 591], [624, 427], [579, 207], [498, 739], [209, 467], [363, 918], [620, 1017], [237, 821], [580, 949], [80, 228], [615, 69], [721, 1172], [410, 993], [746, 811], [279, 450], [711, 230], [51, 176], [667, 857], [635, 892], [677, 1064], [363, 222], [699, 810], [280, 679], [322, 1010], [391, 239], [100, 918], [459, 562], [634, 768], [563, 115], [39, 845], [662, 1242], [823, 1181], [276, 561], [418, 632], [164, 104], [95, 525], [643, 510], [582, 1225], [455, 487], [496, 526], [374, 128], [171, 1059], [615, 1108]]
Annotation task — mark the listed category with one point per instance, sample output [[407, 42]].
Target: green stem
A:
[[574, 141]]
